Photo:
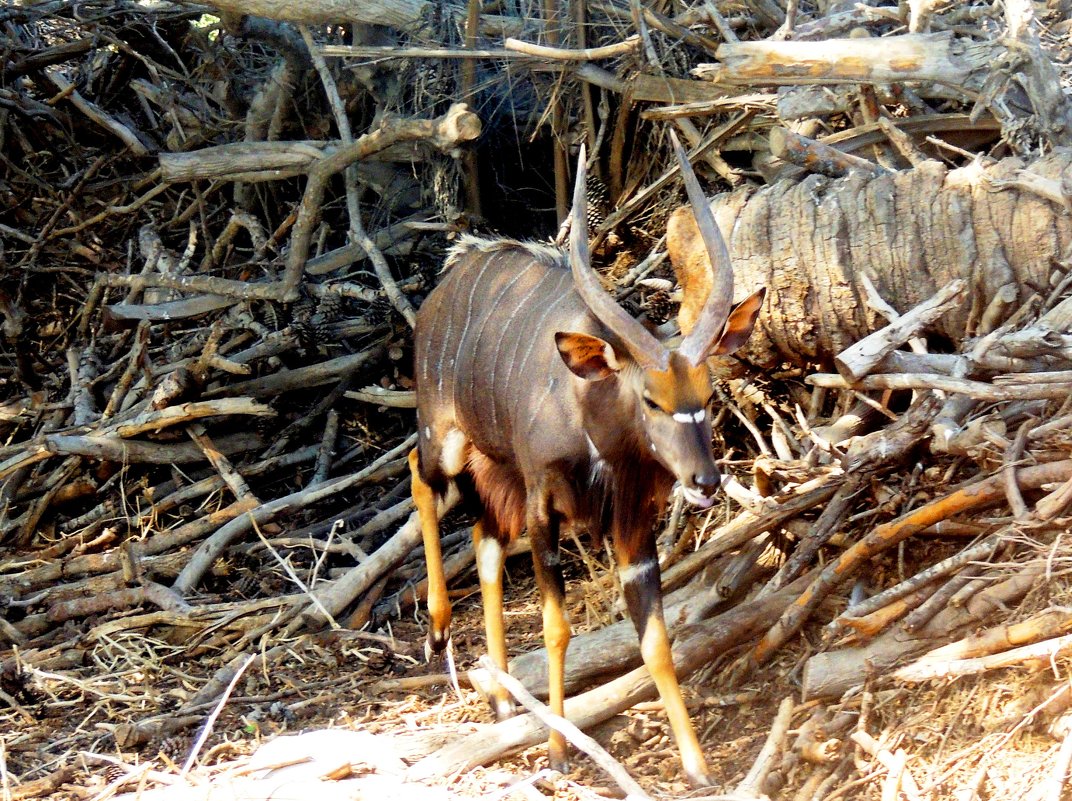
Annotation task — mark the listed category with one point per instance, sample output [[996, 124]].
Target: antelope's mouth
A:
[[697, 498]]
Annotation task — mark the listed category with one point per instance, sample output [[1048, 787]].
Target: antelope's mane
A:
[[543, 252]]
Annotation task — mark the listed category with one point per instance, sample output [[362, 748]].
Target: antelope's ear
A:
[[740, 324], [588, 357]]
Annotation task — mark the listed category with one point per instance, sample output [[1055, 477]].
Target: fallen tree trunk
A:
[[610, 650], [831, 673], [811, 242]]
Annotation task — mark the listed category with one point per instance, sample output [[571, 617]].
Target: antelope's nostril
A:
[[706, 482]]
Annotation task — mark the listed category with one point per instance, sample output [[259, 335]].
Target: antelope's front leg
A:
[[638, 569], [490, 555], [543, 528]]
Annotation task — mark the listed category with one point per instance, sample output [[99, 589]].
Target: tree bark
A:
[[404, 14], [912, 232], [909, 57]]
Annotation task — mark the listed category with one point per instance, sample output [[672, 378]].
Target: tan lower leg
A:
[[489, 566], [556, 635], [438, 603], [655, 648]]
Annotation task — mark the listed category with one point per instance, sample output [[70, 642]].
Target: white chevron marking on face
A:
[[690, 417]]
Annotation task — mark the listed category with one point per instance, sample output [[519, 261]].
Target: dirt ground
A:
[[957, 735]]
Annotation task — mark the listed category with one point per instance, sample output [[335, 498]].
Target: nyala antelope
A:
[[566, 411]]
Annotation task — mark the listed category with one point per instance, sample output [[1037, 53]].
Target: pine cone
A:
[[598, 203], [112, 773], [659, 306]]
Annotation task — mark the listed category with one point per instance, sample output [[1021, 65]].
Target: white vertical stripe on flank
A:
[[452, 457]]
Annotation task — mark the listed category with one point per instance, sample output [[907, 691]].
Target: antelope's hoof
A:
[[700, 780], [504, 708], [558, 760], [436, 643]]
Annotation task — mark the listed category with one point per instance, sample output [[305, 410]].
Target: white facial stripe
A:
[[632, 573], [690, 417]]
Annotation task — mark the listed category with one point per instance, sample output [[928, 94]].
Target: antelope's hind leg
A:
[[638, 569], [424, 498], [490, 556]]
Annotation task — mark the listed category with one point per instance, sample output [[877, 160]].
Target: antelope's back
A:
[[485, 342]]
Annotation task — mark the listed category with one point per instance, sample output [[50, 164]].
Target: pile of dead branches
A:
[[215, 231]]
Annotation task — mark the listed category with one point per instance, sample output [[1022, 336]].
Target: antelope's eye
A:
[[652, 405]]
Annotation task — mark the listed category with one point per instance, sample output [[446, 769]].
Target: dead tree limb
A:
[[909, 57], [975, 496], [404, 14]]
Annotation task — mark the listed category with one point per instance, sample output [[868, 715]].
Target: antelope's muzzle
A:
[[702, 489]]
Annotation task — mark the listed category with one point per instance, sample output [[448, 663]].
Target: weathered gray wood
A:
[[909, 57], [860, 359], [404, 14]]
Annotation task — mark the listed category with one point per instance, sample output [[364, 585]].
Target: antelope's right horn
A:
[[642, 345], [711, 320]]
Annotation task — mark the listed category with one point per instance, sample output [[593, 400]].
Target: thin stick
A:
[[719, 21], [568, 730], [752, 784], [206, 730], [227, 472], [580, 22], [379, 53], [327, 447], [353, 206], [871, 746], [566, 54], [471, 164], [901, 141], [925, 612], [5, 779], [1013, 453], [1054, 785], [558, 119], [294, 577]]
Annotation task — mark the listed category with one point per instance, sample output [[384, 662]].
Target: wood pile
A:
[[216, 227]]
